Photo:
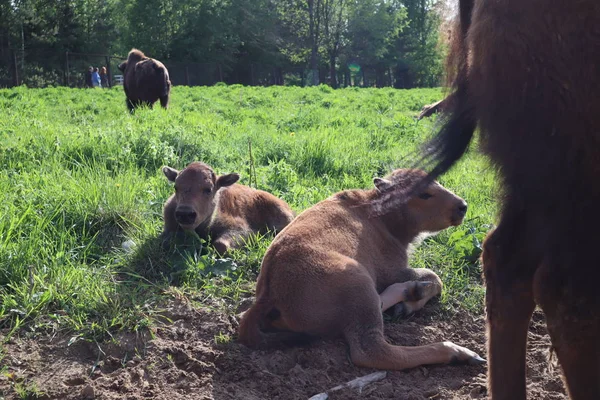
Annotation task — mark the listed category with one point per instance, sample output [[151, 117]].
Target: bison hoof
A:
[[417, 290], [165, 241], [462, 355], [476, 360], [400, 311], [221, 248]]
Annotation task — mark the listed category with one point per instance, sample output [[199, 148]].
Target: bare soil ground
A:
[[190, 357]]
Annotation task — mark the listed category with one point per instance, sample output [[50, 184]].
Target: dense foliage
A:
[[335, 41]]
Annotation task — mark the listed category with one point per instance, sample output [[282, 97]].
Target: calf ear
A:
[[122, 66], [382, 184], [227, 180], [170, 173]]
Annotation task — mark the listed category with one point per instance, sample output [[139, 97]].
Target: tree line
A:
[[332, 41]]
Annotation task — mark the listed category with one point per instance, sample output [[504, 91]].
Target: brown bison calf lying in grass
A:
[[217, 207], [145, 80], [341, 263]]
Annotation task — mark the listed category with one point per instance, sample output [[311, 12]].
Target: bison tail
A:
[[459, 127]]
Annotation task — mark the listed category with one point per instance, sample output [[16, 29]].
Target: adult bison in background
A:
[[527, 73], [145, 80], [214, 206]]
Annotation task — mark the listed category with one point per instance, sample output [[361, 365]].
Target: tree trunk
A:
[[332, 72], [322, 74], [314, 49], [379, 77], [16, 75]]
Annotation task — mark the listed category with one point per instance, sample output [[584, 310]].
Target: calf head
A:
[[431, 209], [196, 189]]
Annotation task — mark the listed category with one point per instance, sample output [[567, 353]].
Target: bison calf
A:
[[214, 206], [145, 80], [340, 263]]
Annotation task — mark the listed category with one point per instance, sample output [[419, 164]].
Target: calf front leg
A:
[[415, 293], [222, 245], [229, 240], [416, 287]]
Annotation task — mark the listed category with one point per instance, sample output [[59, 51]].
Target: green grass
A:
[[80, 176]]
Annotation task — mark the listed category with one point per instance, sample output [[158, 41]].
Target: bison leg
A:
[[363, 329], [423, 283], [508, 274], [411, 291], [164, 101], [130, 105], [222, 246], [430, 109], [571, 305], [224, 243]]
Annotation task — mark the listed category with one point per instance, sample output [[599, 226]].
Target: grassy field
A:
[[81, 194]]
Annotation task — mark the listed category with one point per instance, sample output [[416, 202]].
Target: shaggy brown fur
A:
[[145, 80], [214, 206], [337, 266], [527, 73]]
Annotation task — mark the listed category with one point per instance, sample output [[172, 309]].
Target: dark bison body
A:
[[145, 80], [527, 74]]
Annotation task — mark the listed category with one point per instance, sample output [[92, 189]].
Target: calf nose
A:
[[185, 216], [462, 208]]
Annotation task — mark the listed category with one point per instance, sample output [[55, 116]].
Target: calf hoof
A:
[[165, 241], [418, 290], [220, 247], [476, 360], [401, 311], [462, 355]]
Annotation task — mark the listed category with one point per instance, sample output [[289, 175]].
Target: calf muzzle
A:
[[185, 215]]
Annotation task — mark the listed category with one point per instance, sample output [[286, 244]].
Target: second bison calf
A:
[[216, 207]]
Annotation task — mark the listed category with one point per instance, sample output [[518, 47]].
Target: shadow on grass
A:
[[182, 260], [163, 262]]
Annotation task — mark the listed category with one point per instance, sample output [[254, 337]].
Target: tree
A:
[[373, 27], [420, 58], [237, 35], [335, 23]]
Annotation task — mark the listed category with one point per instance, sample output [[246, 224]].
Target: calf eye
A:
[[207, 191], [425, 196]]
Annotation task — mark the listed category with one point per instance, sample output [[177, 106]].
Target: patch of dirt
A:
[[185, 358]]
